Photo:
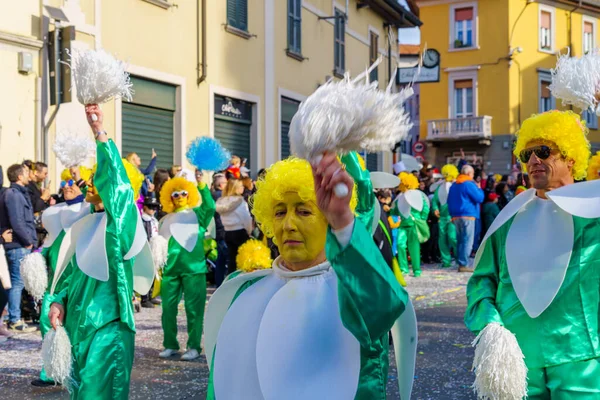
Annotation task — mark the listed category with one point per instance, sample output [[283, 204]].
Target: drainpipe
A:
[[571, 26], [201, 60]]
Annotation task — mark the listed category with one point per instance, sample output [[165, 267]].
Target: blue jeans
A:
[[477, 238], [465, 234], [14, 257]]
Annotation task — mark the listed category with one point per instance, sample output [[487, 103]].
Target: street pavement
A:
[[443, 360]]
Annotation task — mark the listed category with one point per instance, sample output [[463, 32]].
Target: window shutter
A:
[[288, 110], [546, 90], [588, 28], [463, 14], [463, 84], [242, 14], [546, 20], [231, 12]]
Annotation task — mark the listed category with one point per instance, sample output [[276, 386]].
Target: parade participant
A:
[[593, 172], [57, 220], [536, 274], [265, 329], [109, 255], [185, 271], [412, 206], [447, 231]]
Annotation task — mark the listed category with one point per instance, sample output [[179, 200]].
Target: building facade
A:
[[235, 70], [496, 57]]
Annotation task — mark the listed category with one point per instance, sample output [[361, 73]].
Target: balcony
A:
[[473, 128]]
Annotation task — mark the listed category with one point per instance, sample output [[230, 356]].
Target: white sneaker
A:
[[190, 355], [166, 353]]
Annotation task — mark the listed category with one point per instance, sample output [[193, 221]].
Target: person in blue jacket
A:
[[464, 201]]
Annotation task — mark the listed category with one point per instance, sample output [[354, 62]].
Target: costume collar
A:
[[182, 226], [186, 207], [280, 270], [76, 200]]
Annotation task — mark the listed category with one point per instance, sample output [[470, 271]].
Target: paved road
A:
[[443, 360]]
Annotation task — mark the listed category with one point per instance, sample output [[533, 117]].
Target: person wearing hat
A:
[[536, 274], [151, 206]]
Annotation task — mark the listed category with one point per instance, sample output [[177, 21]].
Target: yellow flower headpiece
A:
[[408, 181], [174, 185], [450, 172], [290, 175], [253, 255], [85, 172], [593, 171], [563, 128]]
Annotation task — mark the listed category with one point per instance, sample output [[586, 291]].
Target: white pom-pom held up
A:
[[576, 81], [159, 246], [73, 150], [500, 370], [57, 358], [35, 275]]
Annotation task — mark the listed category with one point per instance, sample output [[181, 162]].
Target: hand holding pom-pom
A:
[[328, 175]]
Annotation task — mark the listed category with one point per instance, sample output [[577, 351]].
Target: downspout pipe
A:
[[200, 59]]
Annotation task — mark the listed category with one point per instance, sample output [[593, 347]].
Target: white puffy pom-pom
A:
[[99, 77], [159, 246], [576, 81], [57, 358], [73, 150], [35, 275], [500, 370]]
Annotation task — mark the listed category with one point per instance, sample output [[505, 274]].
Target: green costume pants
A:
[[572, 381], [447, 242], [407, 238], [103, 362], [44, 328], [193, 287]]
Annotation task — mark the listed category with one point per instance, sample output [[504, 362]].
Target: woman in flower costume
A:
[[447, 236], [593, 172], [536, 273], [57, 220], [109, 256], [411, 206], [316, 324], [185, 271]]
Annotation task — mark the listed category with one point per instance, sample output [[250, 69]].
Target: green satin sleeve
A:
[[370, 298], [435, 202], [424, 214], [482, 288], [206, 211], [365, 209], [60, 297]]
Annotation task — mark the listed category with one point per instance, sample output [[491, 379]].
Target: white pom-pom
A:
[[73, 150], [99, 77], [35, 275], [500, 370], [57, 357], [159, 246], [340, 190], [576, 81]]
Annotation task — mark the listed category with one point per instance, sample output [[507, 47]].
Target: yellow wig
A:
[[290, 175], [174, 185], [566, 130], [85, 172], [136, 178], [408, 182], [253, 255], [593, 171], [450, 172], [498, 178]]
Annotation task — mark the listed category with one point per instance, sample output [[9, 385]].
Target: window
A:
[[547, 102], [289, 108], [591, 120], [373, 54], [589, 41], [237, 14], [295, 26], [463, 98], [339, 48], [546, 27], [463, 27]]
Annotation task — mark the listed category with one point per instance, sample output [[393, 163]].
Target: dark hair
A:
[[38, 166], [500, 189], [261, 173], [28, 164], [14, 171], [160, 177], [384, 193]]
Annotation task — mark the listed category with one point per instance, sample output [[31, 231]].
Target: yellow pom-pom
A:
[[593, 171], [408, 182], [253, 255], [450, 172]]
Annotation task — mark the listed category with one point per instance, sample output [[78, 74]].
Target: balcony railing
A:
[[459, 128]]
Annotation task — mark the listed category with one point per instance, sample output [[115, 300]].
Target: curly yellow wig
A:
[[253, 255], [408, 182], [86, 174], [289, 175], [174, 185], [450, 172], [566, 130], [593, 171], [136, 178]]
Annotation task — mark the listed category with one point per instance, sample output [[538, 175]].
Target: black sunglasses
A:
[[542, 152]]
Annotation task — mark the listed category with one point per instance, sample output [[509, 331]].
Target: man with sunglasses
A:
[[537, 271]]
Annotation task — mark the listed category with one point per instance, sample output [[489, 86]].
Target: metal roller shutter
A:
[[234, 136], [288, 110], [373, 162]]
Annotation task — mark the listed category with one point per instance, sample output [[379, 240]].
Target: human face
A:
[[25, 178], [93, 197], [240, 190], [70, 190], [175, 170], [40, 176], [300, 232], [135, 160], [221, 183], [551, 173], [179, 199]]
